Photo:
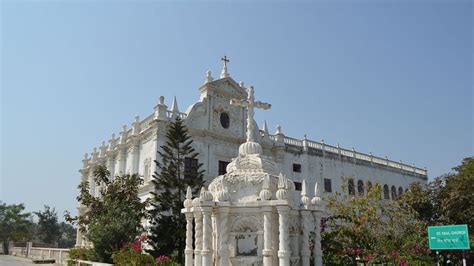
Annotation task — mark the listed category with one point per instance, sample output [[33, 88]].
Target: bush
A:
[[78, 253], [81, 253]]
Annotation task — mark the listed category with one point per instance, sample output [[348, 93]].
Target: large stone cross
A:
[[250, 104]]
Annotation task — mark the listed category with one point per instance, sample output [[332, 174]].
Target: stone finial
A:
[[265, 127], [282, 193], [160, 109], [265, 193], [316, 201], [174, 105], [136, 125], [205, 195], [304, 194], [209, 77], [278, 130], [223, 195], [188, 202], [241, 84], [86, 156]]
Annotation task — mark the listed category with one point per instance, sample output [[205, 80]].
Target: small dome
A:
[[250, 147]]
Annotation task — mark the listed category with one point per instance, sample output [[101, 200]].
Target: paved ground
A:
[[7, 260]]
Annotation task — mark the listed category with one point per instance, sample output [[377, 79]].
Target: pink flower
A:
[[162, 258]]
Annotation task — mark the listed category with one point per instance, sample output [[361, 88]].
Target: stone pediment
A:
[[226, 87]]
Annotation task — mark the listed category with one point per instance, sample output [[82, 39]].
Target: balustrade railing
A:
[[60, 255], [351, 153]]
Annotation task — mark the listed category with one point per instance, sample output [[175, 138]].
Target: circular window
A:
[[225, 121]]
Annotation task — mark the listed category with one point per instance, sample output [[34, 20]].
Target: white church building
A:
[[218, 127]]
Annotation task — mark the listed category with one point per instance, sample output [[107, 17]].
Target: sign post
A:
[[449, 237]]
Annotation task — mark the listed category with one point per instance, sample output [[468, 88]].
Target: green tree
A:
[[177, 170], [14, 224], [67, 235], [114, 218], [369, 229], [47, 229], [446, 200]]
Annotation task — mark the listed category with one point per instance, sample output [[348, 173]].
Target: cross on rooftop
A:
[[250, 104], [226, 60]]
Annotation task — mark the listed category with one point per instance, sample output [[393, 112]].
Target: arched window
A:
[[394, 192], [386, 193], [400, 191], [369, 186], [350, 186], [360, 187]]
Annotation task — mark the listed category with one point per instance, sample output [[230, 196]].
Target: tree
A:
[[369, 229], [446, 200], [48, 226], [177, 170], [67, 235], [114, 218], [14, 224]]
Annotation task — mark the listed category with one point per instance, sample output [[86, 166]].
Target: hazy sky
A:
[[390, 77]]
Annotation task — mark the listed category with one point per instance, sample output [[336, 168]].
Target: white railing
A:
[[60, 255], [292, 141], [169, 114], [352, 154]]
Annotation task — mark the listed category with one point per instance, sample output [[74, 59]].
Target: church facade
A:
[[218, 128]]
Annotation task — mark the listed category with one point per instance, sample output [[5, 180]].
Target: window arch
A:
[[360, 187], [394, 192], [400, 191], [386, 192], [350, 186], [369, 186]]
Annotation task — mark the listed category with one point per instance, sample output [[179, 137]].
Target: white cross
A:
[[250, 104]]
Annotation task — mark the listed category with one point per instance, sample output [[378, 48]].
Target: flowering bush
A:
[[165, 261], [131, 254]]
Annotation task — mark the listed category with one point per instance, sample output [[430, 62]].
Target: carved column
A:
[[223, 236], [188, 259], [135, 149], [198, 238], [122, 159], [317, 251], [283, 251], [267, 251], [305, 251], [206, 251], [111, 166]]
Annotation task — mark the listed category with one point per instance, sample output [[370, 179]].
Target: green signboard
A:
[[448, 237]]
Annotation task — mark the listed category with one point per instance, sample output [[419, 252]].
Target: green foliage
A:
[[369, 229], [48, 227], [447, 200], [14, 223], [78, 253], [170, 189], [128, 256], [114, 217]]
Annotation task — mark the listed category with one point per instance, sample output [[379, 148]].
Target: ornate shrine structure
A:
[[248, 216]]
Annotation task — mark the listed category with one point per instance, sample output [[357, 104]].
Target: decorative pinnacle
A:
[[161, 100], [209, 77], [304, 194], [278, 129], [316, 201], [224, 73], [265, 127], [174, 105], [241, 84], [265, 193], [281, 193], [188, 203]]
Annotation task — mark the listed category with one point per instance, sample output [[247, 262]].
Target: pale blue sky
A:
[[391, 77]]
